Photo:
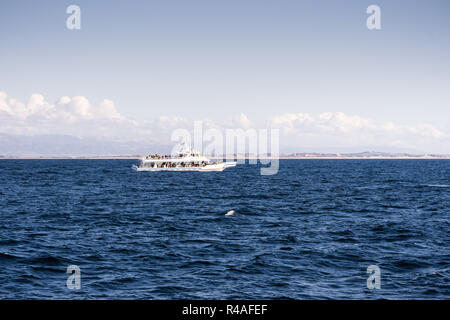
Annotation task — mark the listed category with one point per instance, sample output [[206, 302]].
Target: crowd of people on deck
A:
[[178, 164], [156, 156], [174, 164]]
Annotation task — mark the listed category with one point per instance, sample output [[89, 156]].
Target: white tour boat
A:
[[186, 160]]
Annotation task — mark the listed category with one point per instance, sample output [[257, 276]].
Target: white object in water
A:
[[230, 213]]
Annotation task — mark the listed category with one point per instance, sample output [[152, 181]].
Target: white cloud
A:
[[4, 107], [241, 121], [69, 115], [79, 107], [339, 129], [107, 109], [38, 105], [76, 116]]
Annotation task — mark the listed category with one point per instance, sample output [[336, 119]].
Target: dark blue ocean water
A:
[[308, 232]]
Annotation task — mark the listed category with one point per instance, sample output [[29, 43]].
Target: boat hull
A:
[[207, 168]]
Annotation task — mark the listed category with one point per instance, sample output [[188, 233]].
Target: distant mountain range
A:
[[70, 146], [64, 145]]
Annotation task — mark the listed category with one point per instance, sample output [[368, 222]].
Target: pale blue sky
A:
[[216, 59]]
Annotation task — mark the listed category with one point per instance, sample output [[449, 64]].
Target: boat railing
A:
[[169, 157]]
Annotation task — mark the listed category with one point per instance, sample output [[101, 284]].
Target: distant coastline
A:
[[362, 155]]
